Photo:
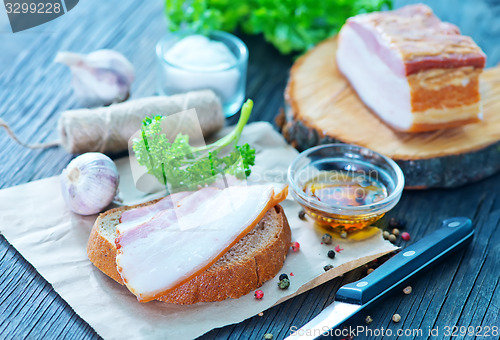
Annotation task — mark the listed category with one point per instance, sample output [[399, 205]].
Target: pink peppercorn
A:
[[405, 236], [258, 294], [338, 249], [295, 246]]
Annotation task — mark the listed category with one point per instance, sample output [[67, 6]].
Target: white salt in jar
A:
[[193, 62]]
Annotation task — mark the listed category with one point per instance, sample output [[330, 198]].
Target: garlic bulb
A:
[[89, 183], [100, 78]]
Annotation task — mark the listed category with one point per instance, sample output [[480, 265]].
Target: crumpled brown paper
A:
[[35, 220]]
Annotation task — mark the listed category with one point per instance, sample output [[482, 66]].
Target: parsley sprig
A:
[[290, 25], [180, 166]]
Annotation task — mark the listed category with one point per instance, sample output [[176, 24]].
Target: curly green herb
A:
[[290, 25], [179, 166]]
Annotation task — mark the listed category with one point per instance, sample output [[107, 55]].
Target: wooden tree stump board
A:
[[321, 108]]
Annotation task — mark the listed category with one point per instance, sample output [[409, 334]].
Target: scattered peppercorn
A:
[[258, 294], [393, 222], [396, 318], [386, 235], [302, 215], [338, 249], [407, 290], [284, 284], [392, 238], [283, 276], [268, 336], [343, 234], [260, 314], [370, 270], [405, 236], [326, 238], [331, 254], [327, 267], [368, 320], [395, 231], [295, 246], [291, 274]]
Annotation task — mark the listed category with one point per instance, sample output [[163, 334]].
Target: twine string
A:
[[108, 129], [13, 136]]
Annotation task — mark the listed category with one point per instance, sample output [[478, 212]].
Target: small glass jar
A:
[[227, 82], [349, 162]]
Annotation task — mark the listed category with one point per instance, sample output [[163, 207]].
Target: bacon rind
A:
[[278, 195], [413, 39]]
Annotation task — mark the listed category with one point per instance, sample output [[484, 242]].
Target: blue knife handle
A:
[[409, 261]]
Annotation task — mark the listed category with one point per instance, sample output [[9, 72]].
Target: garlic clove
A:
[[89, 183], [100, 78]]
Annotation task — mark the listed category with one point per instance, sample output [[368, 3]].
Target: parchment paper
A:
[[35, 220]]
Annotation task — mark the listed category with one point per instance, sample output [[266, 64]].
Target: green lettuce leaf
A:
[[290, 25]]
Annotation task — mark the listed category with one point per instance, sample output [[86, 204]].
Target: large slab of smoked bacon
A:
[[414, 71]]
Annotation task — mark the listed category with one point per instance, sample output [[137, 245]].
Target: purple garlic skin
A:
[[100, 78], [89, 183]]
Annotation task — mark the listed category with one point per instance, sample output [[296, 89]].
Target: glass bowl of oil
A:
[[343, 186]]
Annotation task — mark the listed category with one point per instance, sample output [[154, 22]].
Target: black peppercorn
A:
[[326, 238], [302, 215], [327, 267], [393, 222], [284, 284], [331, 254], [283, 276]]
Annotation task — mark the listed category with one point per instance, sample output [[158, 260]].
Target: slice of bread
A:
[[256, 258]]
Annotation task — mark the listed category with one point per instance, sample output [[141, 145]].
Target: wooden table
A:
[[462, 291]]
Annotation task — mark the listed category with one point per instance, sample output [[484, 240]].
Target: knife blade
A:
[[353, 297]]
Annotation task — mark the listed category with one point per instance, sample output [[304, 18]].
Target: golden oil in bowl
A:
[[345, 187], [348, 189]]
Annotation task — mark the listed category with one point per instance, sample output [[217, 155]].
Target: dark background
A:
[[463, 291]]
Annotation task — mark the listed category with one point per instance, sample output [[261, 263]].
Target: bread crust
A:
[[102, 254], [221, 280], [100, 251]]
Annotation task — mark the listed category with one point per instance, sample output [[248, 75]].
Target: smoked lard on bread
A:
[[255, 258], [414, 71]]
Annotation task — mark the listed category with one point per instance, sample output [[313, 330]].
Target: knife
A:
[[353, 297]]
